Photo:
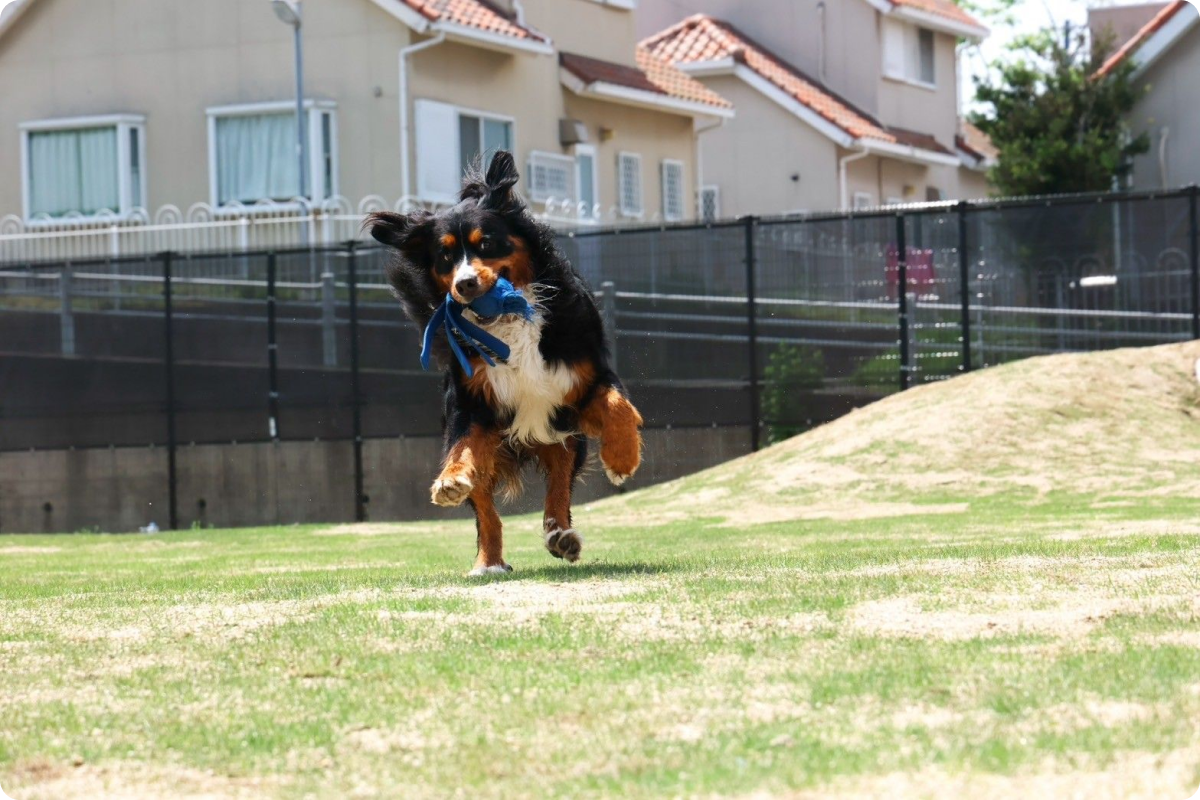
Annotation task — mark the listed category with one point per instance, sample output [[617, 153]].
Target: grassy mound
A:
[[1116, 425]]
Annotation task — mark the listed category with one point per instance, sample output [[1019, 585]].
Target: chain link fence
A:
[[770, 325]]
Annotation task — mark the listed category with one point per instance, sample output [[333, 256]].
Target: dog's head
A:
[[464, 249]]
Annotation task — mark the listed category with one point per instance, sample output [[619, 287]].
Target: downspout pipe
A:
[[700, 160], [406, 189], [842, 162]]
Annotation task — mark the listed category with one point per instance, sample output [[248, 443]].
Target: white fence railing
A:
[[230, 228]]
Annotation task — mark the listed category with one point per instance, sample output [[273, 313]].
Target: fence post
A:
[[329, 318], [272, 354], [608, 308], [360, 510], [752, 332], [1194, 239], [66, 321], [964, 285], [169, 358], [902, 292]]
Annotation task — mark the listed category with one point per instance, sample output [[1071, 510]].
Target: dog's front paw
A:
[[493, 569], [560, 543], [451, 491]]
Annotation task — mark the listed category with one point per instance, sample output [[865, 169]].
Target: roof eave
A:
[[12, 13], [492, 41], [904, 152], [1158, 43], [716, 66], [640, 98], [941, 23]]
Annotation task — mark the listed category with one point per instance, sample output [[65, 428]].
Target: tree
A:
[[1059, 124]]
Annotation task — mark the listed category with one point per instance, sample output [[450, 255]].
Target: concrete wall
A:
[[121, 489], [1171, 103]]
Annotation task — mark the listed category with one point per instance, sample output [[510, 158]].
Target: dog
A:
[[556, 388]]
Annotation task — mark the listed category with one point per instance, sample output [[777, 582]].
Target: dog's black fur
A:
[[462, 250]]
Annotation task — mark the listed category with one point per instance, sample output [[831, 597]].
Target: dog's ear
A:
[[494, 191], [407, 233]]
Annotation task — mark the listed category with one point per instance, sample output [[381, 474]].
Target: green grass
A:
[[1020, 642]]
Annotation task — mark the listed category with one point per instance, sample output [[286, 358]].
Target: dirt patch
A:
[[904, 617], [846, 512], [130, 779], [1129, 775], [28, 550]]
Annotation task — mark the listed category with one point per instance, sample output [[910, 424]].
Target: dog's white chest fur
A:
[[528, 387]]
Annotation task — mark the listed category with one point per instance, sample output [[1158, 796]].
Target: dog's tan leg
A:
[[470, 462], [612, 419], [490, 558], [558, 463]]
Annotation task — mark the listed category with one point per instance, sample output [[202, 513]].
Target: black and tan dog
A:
[[556, 387]]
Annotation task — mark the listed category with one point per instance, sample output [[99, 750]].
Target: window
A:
[[710, 203], [672, 190], [252, 153], [863, 200], [448, 140], [83, 166], [908, 53], [586, 180], [629, 184], [551, 177]]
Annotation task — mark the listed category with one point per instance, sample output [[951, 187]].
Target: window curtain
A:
[[256, 158], [73, 171]]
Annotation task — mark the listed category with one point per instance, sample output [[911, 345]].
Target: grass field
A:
[[860, 611]]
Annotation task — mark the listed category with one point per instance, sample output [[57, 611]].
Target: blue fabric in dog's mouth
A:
[[465, 337]]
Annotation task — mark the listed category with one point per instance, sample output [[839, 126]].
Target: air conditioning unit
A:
[[572, 131]]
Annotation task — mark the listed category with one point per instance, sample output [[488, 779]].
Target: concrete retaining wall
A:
[[228, 485]]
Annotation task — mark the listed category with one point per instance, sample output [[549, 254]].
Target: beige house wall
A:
[[170, 61], [1171, 103], [655, 136], [932, 110], [585, 27], [753, 156]]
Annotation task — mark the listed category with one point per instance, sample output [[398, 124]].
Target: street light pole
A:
[[289, 12]]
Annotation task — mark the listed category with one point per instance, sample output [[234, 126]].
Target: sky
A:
[[1029, 16]]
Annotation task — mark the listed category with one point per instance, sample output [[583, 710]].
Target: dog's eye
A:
[[485, 246]]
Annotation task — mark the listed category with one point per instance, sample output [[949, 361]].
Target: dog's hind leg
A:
[[612, 419], [561, 463]]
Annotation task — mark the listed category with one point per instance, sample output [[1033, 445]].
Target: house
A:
[[1120, 23], [841, 103], [120, 106], [1166, 55]]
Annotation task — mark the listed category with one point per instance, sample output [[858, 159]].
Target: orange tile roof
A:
[[1149, 29], [942, 8], [703, 38], [652, 74], [976, 142], [477, 14]]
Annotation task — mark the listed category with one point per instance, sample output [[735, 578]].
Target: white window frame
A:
[[907, 36], [424, 193], [592, 204], [124, 123], [628, 211], [627, 5], [862, 200], [314, 110], [716, 193], [567, 164], [666, 164]]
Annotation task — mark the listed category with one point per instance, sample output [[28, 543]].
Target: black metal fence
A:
[[775, 324]]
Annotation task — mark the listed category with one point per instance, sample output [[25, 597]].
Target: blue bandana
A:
[[466, 338]]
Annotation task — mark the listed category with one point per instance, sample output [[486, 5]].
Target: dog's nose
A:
[[467, 286]]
